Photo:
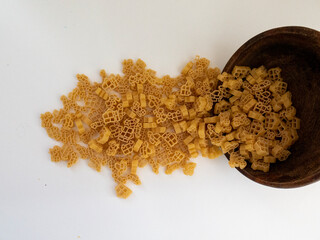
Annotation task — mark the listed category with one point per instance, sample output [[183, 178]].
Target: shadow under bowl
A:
[[296, 50]]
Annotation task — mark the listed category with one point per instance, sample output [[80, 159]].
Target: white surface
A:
[[43, 44]]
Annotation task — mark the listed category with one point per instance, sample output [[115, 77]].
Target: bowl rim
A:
[[292, 30]]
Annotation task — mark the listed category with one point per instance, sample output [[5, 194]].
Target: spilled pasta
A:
[[128, 121]]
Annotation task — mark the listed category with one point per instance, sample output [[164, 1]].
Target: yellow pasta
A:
[[262, 118], [137, 119]]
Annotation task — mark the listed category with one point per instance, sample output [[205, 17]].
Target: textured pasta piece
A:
[[275, 74], [154, 138], [170, 138], [249, 104], [54, 133], [95, 146], [240, 71], [192, 150], [269, 159], [259, 73], [188, 139], [263, 97], [111, 116], [238, 120], [286, 139], [149, 125], [134, 178], [56, 117], [211, 119], [139, 88], [216, 96], [113, 147], [204, 151], [97, 124], [233, 84], [130, 113], [189, 168], [127, 148], [187, 68], [256, 115], [177, 128], [126, 134], [270, 134], [101, 93], [272, 121], [137, 145], [230, 136], [262, 108], [236, 160], [153, 101], [184, 111], [295, 123], [110, 82], [72, 159], [286, 99], [214, 152], [290, 112], [243, 151], [46, 120], [283, 155], [192, 114], [123, 191], [134, 166], [171, 168], [261, 86], [225, 118], [229, 146], [56, 154], [137, 109], [222, 129], [257, 128], [201, 130], [255, 156], [160, 114], [185, 90], [175, 116], [67, 122], [260, 165], [193, 126], [223, 76], [176, 157], [95, 163], [235, 93], [278, 87], [160, 129], [79, 125], [262, 146], [276, 150], [200, 104], [104, 136], [221, 107]]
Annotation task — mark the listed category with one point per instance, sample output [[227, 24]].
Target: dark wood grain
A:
[[296, 50]]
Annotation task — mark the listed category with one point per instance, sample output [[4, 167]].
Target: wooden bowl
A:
[[296, 50]]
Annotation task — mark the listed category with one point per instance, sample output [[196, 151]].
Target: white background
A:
[[44, 43]]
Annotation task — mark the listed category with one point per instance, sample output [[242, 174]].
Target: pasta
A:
[[126, 122], [262, 117]]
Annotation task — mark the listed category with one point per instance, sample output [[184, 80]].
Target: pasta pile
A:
[[255, 117], [128, 121]]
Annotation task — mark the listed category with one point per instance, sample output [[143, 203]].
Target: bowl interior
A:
[[296, 50]]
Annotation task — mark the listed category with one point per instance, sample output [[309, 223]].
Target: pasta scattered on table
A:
[[128, 121]]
